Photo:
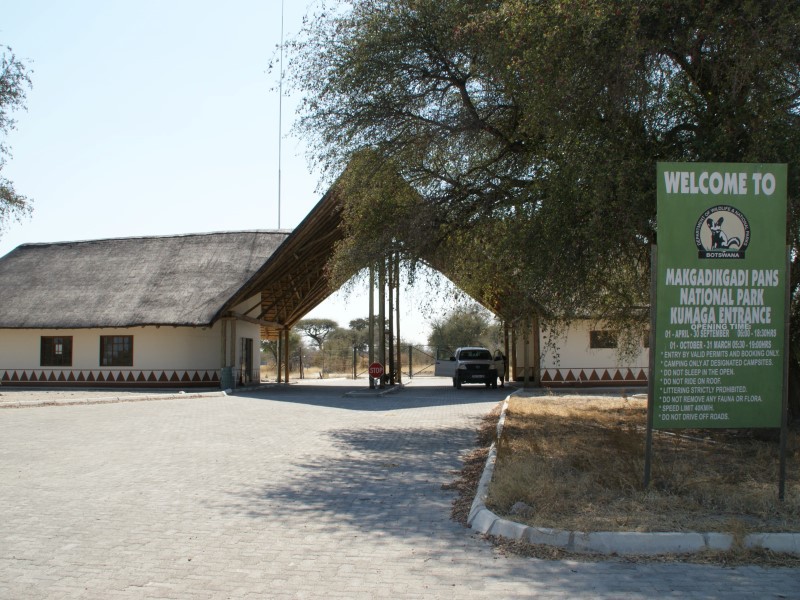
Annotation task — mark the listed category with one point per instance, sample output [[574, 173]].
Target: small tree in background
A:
[[468, 326], [270, 348], [317, 330]]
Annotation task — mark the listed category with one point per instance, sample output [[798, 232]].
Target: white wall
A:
[[574, 351], [568, 359], [153, 347], [245, 329]]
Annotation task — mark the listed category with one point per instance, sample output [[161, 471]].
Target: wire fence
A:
[[415, 360]]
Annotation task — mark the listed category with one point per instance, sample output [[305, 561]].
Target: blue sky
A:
[[150, 118], [159, 117]]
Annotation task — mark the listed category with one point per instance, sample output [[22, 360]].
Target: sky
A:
[[160, 118]]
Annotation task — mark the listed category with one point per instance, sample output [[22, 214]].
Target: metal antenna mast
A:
[[280, 119]]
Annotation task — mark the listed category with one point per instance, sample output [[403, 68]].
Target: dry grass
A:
[[468, 477], [577, 462]]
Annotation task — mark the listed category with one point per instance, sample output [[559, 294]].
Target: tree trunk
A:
[[794, 384]]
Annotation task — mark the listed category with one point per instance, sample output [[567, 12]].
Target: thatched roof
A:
[[174, 280]]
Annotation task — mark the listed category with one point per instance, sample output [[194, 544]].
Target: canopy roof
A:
[[293, 281]]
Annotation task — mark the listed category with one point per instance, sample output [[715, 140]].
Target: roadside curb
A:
[[484, 521], [112, 399], [374, 393], [177, 395]]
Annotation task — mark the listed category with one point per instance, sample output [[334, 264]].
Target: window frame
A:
[[119, 355], [603, 339], [47, 355]]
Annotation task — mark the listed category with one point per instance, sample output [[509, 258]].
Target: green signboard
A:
[[720, 295]]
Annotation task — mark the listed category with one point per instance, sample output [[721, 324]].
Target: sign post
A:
[[721, 279], [376, 370]]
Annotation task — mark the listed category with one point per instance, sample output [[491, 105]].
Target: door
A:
[[445, 367], [246, 367]]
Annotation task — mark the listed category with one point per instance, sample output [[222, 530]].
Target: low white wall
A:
[[153, 347], [569, 359]]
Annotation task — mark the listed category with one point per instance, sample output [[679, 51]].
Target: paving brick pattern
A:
[[290, 492]]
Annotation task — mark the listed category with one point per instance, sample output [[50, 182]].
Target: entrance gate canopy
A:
[[293, 281]]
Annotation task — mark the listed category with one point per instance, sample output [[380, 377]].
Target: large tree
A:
[[521, 137], [534, 127], [14, 82]]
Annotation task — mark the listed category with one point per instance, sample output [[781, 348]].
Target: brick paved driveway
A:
[[291, 492]]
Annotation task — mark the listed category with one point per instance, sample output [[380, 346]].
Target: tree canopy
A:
[[515, 142], [14, 82], [464, 326], [316, 329]]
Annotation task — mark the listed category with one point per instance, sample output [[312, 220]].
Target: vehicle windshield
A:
[[475, 355]]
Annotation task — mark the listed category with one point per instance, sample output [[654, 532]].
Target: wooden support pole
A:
[[397, 312], [233, 349], [371, 325], [785, 396], [391, 282], [648, 440], [513, 369], [526, 354], [286, 353], [223, 350], [505, 351], [382, 317], [279, 358], [537, 353]]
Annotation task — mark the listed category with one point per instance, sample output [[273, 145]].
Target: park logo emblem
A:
[[722, 232]]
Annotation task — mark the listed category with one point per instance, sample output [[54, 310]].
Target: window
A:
[[603, 339], [116, 350], [56, 351]]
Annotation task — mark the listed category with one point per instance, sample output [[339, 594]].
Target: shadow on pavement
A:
[[359, 398], [387, 481]]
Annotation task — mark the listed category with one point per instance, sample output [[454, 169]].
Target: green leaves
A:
[[316, 329], [14, 80], [513, 144]]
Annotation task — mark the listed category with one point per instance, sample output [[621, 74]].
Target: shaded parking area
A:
[[285, 492]]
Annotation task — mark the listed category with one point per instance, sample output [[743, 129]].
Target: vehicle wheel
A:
[[458, 384], [488, 385], [494, 384], [455, 384]]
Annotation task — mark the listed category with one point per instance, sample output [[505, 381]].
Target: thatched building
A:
[[183, 310]]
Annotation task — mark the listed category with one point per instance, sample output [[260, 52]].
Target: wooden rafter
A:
[[292, 282]]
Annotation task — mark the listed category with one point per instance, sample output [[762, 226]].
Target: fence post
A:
[[410, 368]]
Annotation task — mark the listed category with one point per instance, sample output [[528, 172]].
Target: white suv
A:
[[469, 365]]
